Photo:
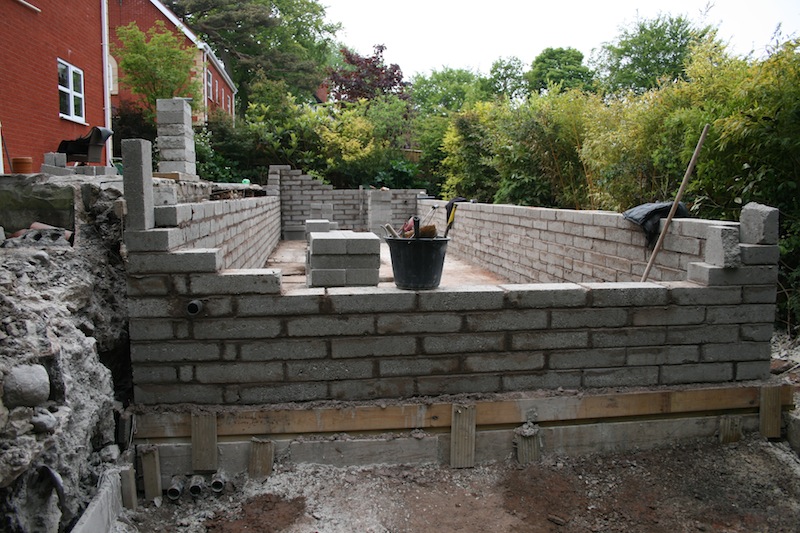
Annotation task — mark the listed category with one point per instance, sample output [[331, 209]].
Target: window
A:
[[216, 91], [208, 84], [70, 92]]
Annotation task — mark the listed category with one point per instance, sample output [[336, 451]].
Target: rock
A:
[[26, 386], [110, 454], [43, 421]]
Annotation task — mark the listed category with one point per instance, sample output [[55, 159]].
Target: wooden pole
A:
[[678, 197]]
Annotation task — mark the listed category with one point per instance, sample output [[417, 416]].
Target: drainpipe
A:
[[106, 81]]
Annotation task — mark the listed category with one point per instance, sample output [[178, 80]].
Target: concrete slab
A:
[[290, 258]]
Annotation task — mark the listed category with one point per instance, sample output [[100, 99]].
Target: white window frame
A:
[[74, 94], [209, 85]]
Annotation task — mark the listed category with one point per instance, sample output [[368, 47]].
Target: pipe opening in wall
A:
[[194, 308]]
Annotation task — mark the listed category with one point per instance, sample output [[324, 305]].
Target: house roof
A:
[[200, 44]]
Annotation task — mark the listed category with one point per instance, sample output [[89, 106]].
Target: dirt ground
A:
[[749, 486]]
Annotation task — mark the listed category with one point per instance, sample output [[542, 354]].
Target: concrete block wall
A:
[[342, 258], [367, 343], [350, 207], [243, 233], [532, 244]]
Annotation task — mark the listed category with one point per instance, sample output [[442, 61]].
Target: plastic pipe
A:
[[218, 482], [196, 486], [175, 490]]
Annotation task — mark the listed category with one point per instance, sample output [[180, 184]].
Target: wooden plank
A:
[[262, 455], [204, 442], [127, 478], [546, 409], [528, 443], [462, 436], [770, 412], [730, 429], [151, 472]]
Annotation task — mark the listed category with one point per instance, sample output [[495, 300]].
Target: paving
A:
[[289, 256]]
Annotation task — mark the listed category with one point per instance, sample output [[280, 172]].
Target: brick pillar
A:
[[137, 179], [176, 137]]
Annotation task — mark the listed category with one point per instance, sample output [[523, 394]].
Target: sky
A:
[[425, 35]]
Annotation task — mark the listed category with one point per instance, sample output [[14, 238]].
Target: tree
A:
[[362, 77], [648, 52], [559, 66], [287, 40], [155, 65], [506, 78], [445, 91]]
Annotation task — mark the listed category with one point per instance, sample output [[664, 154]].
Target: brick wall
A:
[[350, 206], [531, 244], [204, 335], [236, 234]]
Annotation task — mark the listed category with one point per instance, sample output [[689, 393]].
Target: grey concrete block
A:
[[320, 326], [457, 384], [464, 298], [370, 389], [333, 242], [362, 277], [663, 355], [239, 372], [56, 171], [381, 346], [759, 224], [370, 300], [176, 129], [154, 240], [366, 451], [189, 167], [172, 215], [236, 282], [463, 343], [685, 293], [711, 275], [363, 243], [326, 278], [179, 154], [154, 374], [148, 285], [549, 340], [696, 373], [417, 366], [754, 254], [237, 328], [138, 183], [175, 352], [317, 225], [749, 370], [736, 351], [568, 379], [620, 377], [294, 233], [327, 370], [165, 192], [722, 247], [504, 362], [546, 295], [347, 261], [578, 359], [56, 159], [298, 302], [283, 392], [283, 350], [186, 393], [506, 320], [588, 318], [180, 261], [644, 336]]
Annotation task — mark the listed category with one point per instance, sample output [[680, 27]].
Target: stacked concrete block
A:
[[176, 138], [343, 258], [380, 210], [55, 164]]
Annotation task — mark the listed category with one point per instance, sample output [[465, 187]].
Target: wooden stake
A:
[[678, 197], [204, 442], [462, 436], [528, 442], [127, 477], [730, 429], [770, 412], [151, 472], [262, 455]]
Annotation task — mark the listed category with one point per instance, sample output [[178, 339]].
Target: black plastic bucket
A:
[[417, 263]]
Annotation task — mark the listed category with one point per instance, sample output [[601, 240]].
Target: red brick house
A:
[[52, 71], [219, 91], [57, 75]]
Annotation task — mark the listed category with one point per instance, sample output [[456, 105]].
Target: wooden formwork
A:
[[459, 432]]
